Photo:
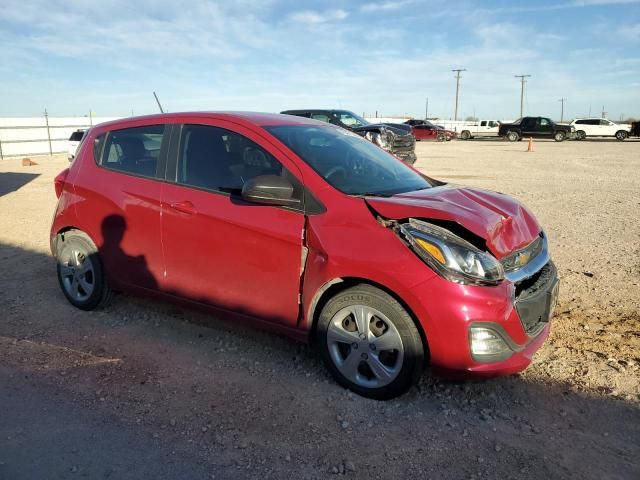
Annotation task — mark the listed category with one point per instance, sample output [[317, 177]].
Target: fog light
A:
[[485, 342]]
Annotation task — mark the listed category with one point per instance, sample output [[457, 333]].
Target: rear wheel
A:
[[621, 135], [80, 273], [513, 136], [370, 343], [559, 136], [581, 135], [465, 135]]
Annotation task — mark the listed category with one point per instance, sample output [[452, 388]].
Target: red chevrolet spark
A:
[[312, 231]]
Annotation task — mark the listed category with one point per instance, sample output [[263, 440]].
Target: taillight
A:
[[58, 182]]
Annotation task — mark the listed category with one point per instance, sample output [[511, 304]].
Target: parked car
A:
[[432, 132], [425, 130], [535, 127], [482, 128], [599, 127], [393, 137], [309, 230], [73, 142]]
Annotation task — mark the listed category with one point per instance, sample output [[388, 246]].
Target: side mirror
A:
[[269, 190]]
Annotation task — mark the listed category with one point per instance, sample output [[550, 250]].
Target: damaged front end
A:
[[396, 141], [530, 270]]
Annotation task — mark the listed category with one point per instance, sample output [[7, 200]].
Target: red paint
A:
[[208, 250], [429, 132]]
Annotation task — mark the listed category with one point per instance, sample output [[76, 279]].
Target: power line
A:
[[457, 70], [522, 82]]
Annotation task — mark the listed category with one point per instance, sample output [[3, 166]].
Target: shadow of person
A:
[[120, 267]]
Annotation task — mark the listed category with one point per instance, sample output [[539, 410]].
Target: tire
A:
[[80, 272], [581, 135], [513, 136], [347, 343], [465, 135], [441, 137], [559, 136], [621, 135]]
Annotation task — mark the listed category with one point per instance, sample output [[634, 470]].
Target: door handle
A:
[[184, 207]]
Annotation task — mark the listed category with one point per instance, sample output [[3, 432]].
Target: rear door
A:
[[219, 249], [119, 203], [545, 127]]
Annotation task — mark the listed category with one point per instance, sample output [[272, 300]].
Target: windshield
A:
[[348, 162], [350, 119]]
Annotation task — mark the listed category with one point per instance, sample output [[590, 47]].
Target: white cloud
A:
[[630, 32], [385, 6], [315, 17]]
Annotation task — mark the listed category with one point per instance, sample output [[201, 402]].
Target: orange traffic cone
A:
[[530, 146]]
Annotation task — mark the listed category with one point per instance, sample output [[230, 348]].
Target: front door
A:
[[219, 249]]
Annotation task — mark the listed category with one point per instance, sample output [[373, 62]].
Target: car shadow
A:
[[191, 383], [12, 181]]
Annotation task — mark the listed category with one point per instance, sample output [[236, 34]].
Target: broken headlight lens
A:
[[451, 256]]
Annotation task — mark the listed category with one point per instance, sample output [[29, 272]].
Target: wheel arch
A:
[[339, 284], [59, 235]]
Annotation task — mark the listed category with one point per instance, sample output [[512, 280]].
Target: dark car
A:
[[311, 231], [535, 127], [395, 138]]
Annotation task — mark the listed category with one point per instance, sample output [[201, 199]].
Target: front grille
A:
[[536, 297], [403, 143]]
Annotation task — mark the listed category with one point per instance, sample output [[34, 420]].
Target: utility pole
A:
[[457, 70], [46, 121], [426, 109], [562, 100], [522, 82]]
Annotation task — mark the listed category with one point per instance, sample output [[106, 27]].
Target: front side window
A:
[[133, 150], [348, 162], [544, 122], [350, 119], [605, 123], [220, 160]]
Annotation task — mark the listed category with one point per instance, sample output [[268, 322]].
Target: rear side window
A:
[[483, 123], [321, 116], [76, 136], [133, 150]]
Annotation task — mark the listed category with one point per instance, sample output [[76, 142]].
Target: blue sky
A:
[[270, 55]]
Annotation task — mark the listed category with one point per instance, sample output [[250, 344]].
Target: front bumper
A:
[[407, 157], [518, 312]]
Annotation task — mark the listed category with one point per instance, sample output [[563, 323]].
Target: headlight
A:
[[450, 256]]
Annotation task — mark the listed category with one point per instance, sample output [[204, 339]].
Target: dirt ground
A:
[[149, 390]]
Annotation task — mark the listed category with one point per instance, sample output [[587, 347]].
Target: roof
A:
[[253, 118]]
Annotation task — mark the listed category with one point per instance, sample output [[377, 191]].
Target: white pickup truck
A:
[[482, 128]]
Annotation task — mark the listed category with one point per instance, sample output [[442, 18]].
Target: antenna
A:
[[158, 102]]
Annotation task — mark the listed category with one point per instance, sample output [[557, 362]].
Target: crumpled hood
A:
[[504, 223]]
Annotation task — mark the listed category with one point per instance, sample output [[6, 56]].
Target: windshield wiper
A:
[[373, 194]]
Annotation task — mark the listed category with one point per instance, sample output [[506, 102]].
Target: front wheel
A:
[[370, 343], [80, 273], [513, 136], [441, 137], [621, 135], [559, 136]]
